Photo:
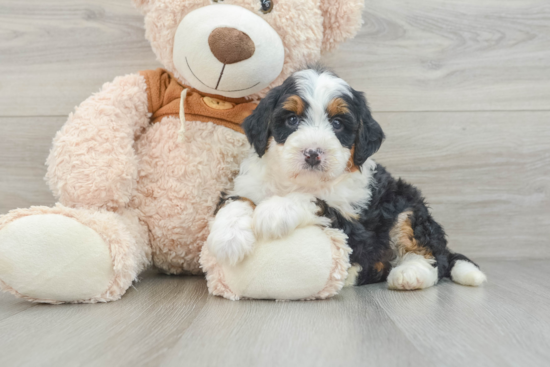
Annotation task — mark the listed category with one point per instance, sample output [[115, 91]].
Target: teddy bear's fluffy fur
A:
[[307, 28], [147, 194]]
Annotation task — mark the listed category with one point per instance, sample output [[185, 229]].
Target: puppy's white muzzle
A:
[[227, 50], [314, 149]]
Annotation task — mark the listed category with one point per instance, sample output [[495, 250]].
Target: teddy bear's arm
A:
[[93, 162]]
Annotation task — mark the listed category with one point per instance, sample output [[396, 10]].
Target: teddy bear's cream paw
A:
[[466, 273], [51, 257], [231, 237], [415, 273]]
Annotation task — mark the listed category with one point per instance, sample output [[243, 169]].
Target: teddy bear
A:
[[139, 166]]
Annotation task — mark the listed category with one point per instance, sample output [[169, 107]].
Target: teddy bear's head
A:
[[238, 48]]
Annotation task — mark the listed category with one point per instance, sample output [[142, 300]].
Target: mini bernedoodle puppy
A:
[[312, 139]]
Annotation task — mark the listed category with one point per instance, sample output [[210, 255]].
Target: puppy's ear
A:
[[257, 126], [370, 135], [342, 19]]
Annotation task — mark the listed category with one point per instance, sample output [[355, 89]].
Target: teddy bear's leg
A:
[[60, 254]]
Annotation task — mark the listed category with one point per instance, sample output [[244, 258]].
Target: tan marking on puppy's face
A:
[[352, 167], [402, 237], [295, 104], [337, 107]]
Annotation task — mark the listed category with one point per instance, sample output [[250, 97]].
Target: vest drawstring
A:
[[181, 133]]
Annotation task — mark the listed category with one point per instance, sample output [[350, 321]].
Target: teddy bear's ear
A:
[[342, 20], [143, 5]]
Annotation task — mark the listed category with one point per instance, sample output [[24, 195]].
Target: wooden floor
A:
[[462, 90], [171, 321]]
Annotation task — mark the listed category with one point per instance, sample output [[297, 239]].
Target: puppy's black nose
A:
[[312, 158]]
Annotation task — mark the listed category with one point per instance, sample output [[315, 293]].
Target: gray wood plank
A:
[[518, 279], [345, 331], [485, 174], [419, 56], [9, 305], [486, 179], [435, 55], [495, 325], [56, 53], [137, 330], [171, 321], [24, 146]]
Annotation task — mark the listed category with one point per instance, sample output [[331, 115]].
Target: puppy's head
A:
[[314, 127]]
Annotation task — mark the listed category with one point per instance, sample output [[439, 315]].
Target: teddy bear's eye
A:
[[267, 6]]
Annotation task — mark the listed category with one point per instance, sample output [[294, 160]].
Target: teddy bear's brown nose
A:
[[230, 45]]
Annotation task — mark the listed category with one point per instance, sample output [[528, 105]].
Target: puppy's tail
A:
[[464, 271]]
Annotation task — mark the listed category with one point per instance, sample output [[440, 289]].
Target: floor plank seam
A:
[[18, 312], [388, 314]]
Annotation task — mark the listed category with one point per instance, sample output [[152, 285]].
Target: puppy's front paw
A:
[[231, 237], [277, 217]]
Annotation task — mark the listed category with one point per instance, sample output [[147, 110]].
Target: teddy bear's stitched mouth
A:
[[221, 74]]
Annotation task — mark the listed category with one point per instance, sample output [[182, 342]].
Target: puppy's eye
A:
[[292, 121], [267, 6], [337, 125]]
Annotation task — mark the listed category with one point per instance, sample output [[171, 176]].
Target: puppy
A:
[[312, 139]]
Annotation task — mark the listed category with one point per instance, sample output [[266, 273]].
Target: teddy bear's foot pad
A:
[[53, 258]]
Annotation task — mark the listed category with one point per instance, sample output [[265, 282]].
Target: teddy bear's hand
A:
[[231, 237], [278, 216], [93, 162]]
